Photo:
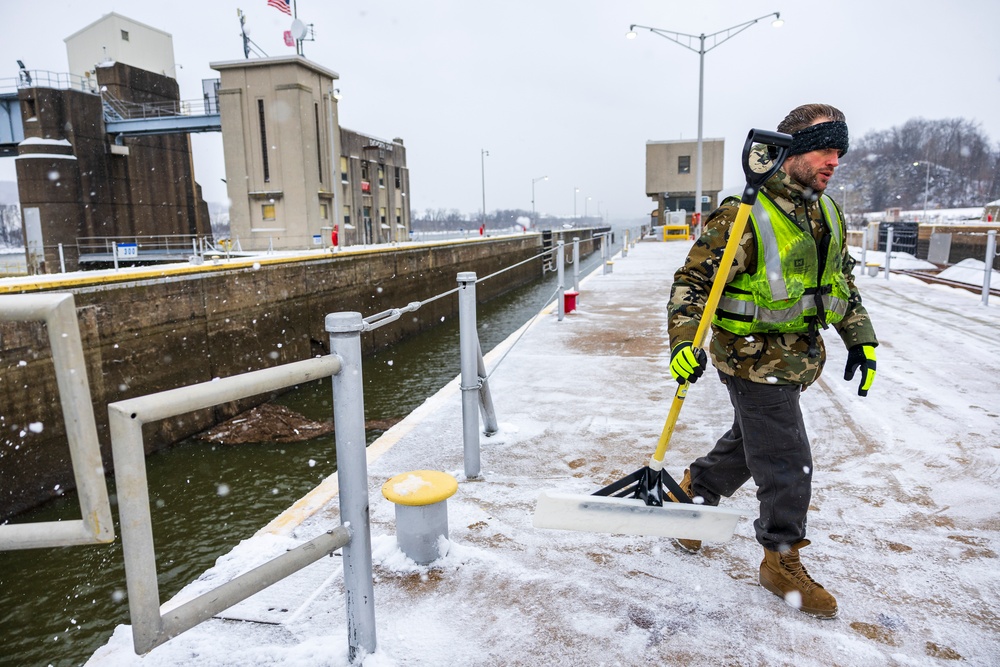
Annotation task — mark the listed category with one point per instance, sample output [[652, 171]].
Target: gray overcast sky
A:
[[552, 87]]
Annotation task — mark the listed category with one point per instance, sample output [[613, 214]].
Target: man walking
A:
[[792, 276]]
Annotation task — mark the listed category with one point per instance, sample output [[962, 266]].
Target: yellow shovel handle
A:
[[721, 277]]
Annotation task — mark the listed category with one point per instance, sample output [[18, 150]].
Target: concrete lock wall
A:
[[151, 335]]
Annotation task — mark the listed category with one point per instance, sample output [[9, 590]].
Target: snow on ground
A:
[[904, 526], [970, 271]]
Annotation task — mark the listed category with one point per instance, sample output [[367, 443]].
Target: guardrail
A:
[[162, 244], [37, 78]]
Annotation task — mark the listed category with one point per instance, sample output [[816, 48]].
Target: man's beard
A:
[[804, 175]]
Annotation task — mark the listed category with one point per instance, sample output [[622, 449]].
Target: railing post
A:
[[560, 262], [114, 252], [62, 260], [605, 253], [576, 263], [469, 351], [352, 475], [625, 244], [991, 252], [864, 250], [888, 250], [486, 408]]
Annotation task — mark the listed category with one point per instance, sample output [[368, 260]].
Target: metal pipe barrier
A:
[[576, 263], [468, 337], [864, 249], [625, 244], [888, 250], [560, 260], [991, 252], [486, 409], [58, 311], [476, 396], [605, 251], [352, 475], [126, 418]]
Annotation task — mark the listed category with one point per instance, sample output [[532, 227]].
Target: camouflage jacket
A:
[[768, 358]]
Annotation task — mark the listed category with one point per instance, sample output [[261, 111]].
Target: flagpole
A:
[[298, 42]]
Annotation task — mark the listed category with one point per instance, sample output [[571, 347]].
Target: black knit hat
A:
[[832, 134]]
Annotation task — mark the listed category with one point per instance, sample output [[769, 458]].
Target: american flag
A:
[[283, 5]]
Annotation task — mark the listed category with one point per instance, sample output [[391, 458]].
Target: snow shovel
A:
[[634, 505]]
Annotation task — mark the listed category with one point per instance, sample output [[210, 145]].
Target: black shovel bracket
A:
[[648, 485]]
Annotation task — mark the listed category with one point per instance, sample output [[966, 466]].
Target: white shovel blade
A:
[[631, 516]]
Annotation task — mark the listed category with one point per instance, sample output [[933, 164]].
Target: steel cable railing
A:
[[392, 314]]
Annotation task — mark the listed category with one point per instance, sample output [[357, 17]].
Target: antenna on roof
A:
[[248, 44]]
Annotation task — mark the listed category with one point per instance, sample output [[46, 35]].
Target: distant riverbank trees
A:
[[946, 163]]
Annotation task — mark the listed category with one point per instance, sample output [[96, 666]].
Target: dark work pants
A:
[[767, 442]]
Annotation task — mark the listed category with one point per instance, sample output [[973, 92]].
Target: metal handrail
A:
[[36, 78], [165, 109], [170, 243]]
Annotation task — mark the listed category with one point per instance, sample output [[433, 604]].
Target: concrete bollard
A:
[[421, 499]]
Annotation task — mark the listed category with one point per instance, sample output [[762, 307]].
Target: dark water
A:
[[57, 606]]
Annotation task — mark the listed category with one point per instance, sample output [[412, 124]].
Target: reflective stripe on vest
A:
[[752, 311]]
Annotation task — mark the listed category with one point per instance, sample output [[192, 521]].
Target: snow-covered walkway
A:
[[904, 523]]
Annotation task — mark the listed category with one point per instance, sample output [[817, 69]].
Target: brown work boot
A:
[[685, 484], [783, 574]]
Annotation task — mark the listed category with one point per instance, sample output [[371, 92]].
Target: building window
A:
[[263, 141], [319, 152], [347, 215], [399, 178], [683, 164], [364, 171], [381, 176], [267, 211], [324, 212], [343, 168], [381, 215], [399, 216], [124, 35]]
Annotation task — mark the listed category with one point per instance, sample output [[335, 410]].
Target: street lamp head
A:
[[777, 22], [631, 32]]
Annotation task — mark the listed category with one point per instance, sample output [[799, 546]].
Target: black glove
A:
[[687, 363], [861, 356]]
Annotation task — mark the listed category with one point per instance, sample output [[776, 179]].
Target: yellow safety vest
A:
[[783, 294]]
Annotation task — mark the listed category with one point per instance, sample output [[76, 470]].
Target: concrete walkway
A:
[[903, 520]]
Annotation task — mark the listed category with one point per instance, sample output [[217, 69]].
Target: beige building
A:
[[375, 186], [671, 173], [116, 38], [280, 129]]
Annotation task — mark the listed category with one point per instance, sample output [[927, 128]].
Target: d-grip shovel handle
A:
[[778, 147], [778, 144]]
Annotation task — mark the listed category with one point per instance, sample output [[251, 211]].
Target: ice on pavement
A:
[[904, 523]]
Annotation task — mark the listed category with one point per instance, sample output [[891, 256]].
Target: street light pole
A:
[[686, 41], [482, 159], [575, 190], [534, 219], [927, 184]]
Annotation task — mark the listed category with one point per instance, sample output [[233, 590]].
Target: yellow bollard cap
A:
[[420, 487]]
